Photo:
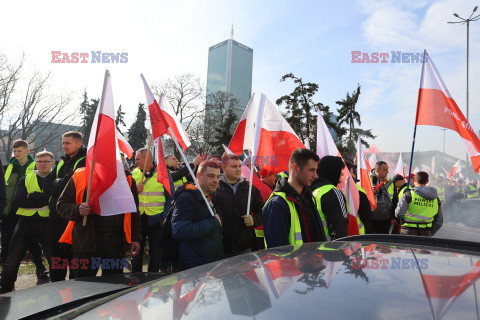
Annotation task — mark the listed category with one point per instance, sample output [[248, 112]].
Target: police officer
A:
[[420, 208], [154, 204], [290, 215]]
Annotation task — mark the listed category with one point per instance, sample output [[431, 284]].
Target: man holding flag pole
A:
[[102, 192]]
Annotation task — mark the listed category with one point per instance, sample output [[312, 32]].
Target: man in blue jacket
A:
[[290, 215], [199, 233]]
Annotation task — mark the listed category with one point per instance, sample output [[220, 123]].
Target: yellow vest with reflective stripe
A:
[[61, 163], [8, 172], [295, 233], [441, 193], [420, 212], [177, 184], [317, 194], [475, 191], [151, 200], [31, 183]]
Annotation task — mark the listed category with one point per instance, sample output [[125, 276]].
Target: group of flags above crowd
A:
[[266, 134]]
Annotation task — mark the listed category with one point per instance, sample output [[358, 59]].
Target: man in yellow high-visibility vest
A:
[[420, 208], [32, 199], [154, 204], [180, 174]]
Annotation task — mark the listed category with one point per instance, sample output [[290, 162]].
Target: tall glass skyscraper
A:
[[230, 70]]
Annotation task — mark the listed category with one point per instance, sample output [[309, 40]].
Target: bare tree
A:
[[185, 93], [30, 113]]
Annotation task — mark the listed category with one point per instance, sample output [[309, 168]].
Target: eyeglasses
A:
[[43, 162]]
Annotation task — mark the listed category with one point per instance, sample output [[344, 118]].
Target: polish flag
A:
[[363, 175], [442, 291], [326, 147], [265, 190], [124, 146], [399, 169], [110, 193], [272, 142], [436, 107], [236, 144], [372, 160], [159, 128], [454, 169]]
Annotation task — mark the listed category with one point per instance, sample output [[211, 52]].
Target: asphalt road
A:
[[458, 231]]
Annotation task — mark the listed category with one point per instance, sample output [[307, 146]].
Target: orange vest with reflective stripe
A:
[[80, 186]]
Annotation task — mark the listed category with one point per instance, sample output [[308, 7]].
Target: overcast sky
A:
[[312, 39]]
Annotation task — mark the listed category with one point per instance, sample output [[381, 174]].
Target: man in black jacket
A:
[[74, 158], [231, 199], [180, 174], [330, 200], [290, 216]]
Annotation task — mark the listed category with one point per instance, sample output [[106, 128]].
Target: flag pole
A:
[[146, 158], [90, 177], [189, 169], [416, 120]]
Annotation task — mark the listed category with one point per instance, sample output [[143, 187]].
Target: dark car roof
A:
[[54, 298], [340, 279]]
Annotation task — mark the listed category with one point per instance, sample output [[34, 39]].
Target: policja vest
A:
[[420, 212], [151, 200], [80, 186], [31, 183]]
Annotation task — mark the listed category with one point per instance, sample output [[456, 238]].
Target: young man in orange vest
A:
[[105, 239]]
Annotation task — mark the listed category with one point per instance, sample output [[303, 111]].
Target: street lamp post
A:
[[467, 22]]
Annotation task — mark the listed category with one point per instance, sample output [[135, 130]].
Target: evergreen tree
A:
[[119, 119], [348, 114], [87, 110], [301, 110], [224, 131], [138, 133]]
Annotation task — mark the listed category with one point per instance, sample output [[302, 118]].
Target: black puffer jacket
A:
[[236, 236]]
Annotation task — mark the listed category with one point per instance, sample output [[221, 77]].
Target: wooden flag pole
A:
[[146, 158]]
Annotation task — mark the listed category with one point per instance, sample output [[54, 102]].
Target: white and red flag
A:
[[124, 146], [272, 141], [372, 160], [326, 147], [454, 169], [173, 122], [363, 175], [399, 169], [443, 290], [236, 144], [433, 165], [159, 128], [110, 193], [436, 107]]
